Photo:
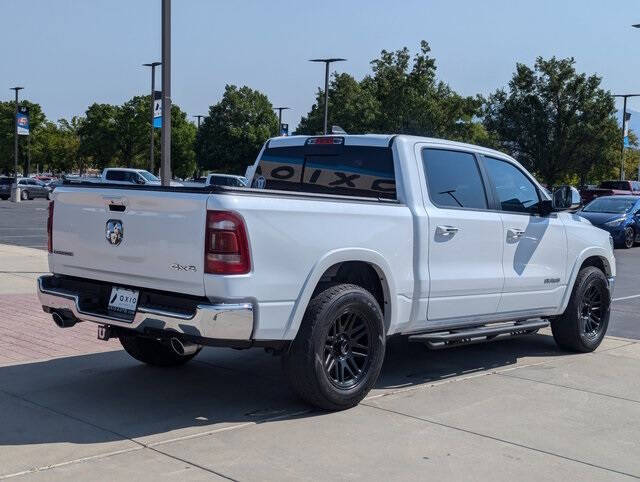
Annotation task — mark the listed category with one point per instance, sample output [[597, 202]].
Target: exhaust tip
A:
[[183, 348], [62, 321]]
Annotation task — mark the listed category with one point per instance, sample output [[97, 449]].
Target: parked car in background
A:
[[610, 188], [5, 187], [32, 188], [124, 175], [226, 180], [620, 215]]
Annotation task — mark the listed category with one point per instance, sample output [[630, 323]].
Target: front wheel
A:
[[153, 352], [584, 323], [629, 238], [24, 195], [337, 354]]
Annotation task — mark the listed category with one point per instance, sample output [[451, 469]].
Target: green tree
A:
[[231, 136], [400, 96], [555, 121], [98, 135], [57, 146], [183, 137], [132, 126], [351, 106]]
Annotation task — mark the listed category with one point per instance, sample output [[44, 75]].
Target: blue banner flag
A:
[[23, 121]]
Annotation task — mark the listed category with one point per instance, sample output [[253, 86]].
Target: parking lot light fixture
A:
[[327, 62]]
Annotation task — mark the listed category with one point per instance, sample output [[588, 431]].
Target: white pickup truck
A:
[[339, 243]]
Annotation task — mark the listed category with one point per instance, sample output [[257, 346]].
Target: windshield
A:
[[614, 205], [148, 176]]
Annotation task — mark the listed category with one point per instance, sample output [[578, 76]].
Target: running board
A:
[[480, 334]]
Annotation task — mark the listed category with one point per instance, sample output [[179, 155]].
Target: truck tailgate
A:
[[162, 237]]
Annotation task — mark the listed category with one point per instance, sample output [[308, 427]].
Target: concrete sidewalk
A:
[[514, 410]]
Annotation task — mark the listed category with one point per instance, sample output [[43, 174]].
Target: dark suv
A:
[[5, 187]]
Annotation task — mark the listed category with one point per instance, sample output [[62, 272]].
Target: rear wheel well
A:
[[359, 273]]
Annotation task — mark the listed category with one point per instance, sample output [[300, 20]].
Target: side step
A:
[[479, 334]]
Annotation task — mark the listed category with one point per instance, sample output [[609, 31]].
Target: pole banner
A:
[[23, 121], [157, 109]]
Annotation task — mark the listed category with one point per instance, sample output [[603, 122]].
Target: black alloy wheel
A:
[[629, 237], [347, 348], [590, 312]]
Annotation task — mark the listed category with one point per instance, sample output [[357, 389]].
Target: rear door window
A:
[[453, 179], [364, 171], [115, 175]]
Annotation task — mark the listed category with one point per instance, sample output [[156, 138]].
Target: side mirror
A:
[[140, 180], [565, 198]]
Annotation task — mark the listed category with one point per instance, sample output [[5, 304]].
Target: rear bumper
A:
[[223, 321]]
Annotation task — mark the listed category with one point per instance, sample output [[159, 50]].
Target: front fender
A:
[[594, 251], [330, 259]]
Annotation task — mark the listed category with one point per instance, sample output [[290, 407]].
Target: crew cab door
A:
[[535, 247], [465, 236]]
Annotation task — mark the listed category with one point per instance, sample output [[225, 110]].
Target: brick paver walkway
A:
[[27, 333]]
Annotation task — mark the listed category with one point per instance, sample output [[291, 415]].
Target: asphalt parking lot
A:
[[24, 224]]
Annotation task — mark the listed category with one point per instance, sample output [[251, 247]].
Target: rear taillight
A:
[[50, 228], [226, 249]]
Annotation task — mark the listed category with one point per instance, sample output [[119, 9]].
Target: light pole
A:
[[624, 128], [16, 195], [198, 116], [326, 86], [165, 162], [280, 109], [153, 66]]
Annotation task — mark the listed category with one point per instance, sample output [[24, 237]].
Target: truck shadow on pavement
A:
[[107, 397]]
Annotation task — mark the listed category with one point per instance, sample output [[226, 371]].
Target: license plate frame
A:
[[123, 301]]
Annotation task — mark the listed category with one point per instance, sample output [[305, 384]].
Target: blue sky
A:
[[70, 53]]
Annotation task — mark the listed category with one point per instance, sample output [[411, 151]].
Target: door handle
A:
[[444, 230], [515, 233]]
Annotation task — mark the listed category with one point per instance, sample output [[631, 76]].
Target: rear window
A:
[[116, 175], [339, 169], [619, 185]]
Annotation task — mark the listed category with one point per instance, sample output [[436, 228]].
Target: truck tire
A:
[[584, 323], [338, 352], [153, 352]]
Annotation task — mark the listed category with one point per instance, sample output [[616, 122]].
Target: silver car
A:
[[33, 188]]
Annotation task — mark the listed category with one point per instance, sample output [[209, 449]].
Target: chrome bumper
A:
[[225, 321]]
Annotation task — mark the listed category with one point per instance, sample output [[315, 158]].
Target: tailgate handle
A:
[[117, 207]]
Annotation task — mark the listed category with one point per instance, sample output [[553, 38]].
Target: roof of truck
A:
[[378, 140]]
